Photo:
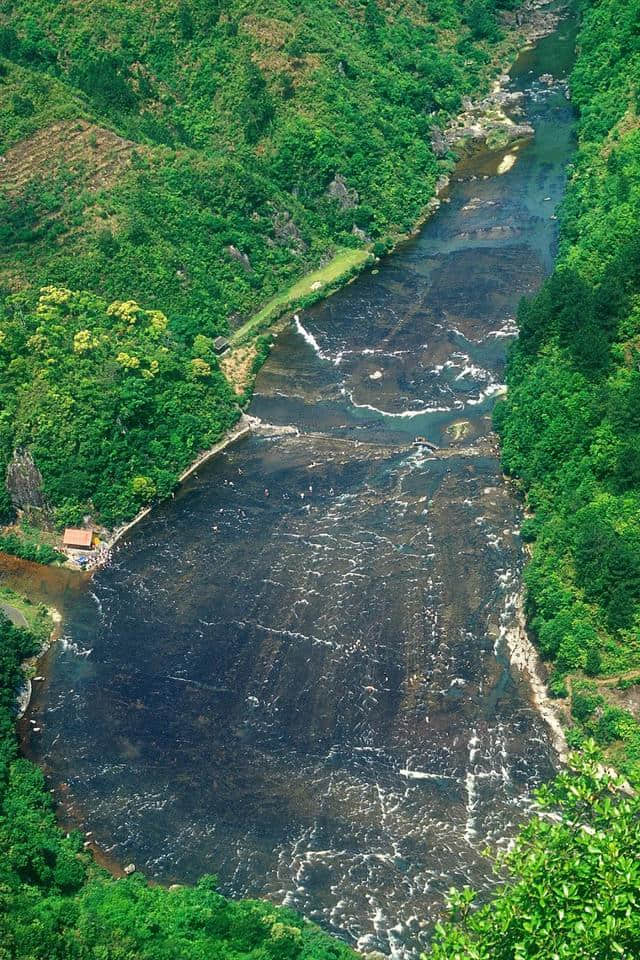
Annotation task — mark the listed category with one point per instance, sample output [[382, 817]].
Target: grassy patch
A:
[[22, 612], [343, 265]]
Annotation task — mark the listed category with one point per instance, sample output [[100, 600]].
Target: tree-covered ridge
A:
[[110, 403], [570, 424], [194, 157], [235, 119]]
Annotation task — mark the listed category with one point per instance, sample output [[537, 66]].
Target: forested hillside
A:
[[194, 157], [570, 424], [570, 433]]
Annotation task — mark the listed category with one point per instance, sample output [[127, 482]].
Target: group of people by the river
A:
[[96, 558]]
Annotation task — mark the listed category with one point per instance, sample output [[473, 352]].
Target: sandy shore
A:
[[525, 658]]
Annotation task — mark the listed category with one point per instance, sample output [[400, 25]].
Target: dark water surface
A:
[[308, 692]]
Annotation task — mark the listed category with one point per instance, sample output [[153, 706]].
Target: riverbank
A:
[[525, 658], [31, 664], [240, 430], [572, 381], [42, 622]]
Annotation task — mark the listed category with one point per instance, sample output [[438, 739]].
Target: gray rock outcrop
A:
[[346, 196], [24, 482], [286, 231], [360, 234], [239, 257], [439, 144]]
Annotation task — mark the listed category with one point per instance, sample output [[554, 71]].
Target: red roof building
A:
[[78, 539]]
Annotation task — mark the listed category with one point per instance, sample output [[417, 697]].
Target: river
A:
[[295, 675]]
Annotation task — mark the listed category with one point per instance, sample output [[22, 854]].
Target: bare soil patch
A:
[[95, 156]]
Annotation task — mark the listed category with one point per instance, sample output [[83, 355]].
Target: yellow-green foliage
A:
[[112, 405]]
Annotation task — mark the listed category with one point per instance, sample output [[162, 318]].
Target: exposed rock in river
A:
[[484, 123]]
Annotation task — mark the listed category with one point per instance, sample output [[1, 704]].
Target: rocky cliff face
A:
[[346, 196], [24, 481], [239, 257]]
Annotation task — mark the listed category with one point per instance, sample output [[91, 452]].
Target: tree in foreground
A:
[[574, 879]]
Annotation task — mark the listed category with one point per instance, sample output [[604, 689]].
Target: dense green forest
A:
[[570, 424], [195, 157]]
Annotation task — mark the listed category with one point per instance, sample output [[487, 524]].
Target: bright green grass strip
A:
[[24, 613], [345, 261]]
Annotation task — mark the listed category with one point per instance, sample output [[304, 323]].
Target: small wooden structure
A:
[[423, 442], [220, 344], [78, 539]]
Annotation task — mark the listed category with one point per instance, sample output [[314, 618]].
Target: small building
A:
[[78, 539], [220, 344]]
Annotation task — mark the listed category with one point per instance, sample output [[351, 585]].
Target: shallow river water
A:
[[295, 674]]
